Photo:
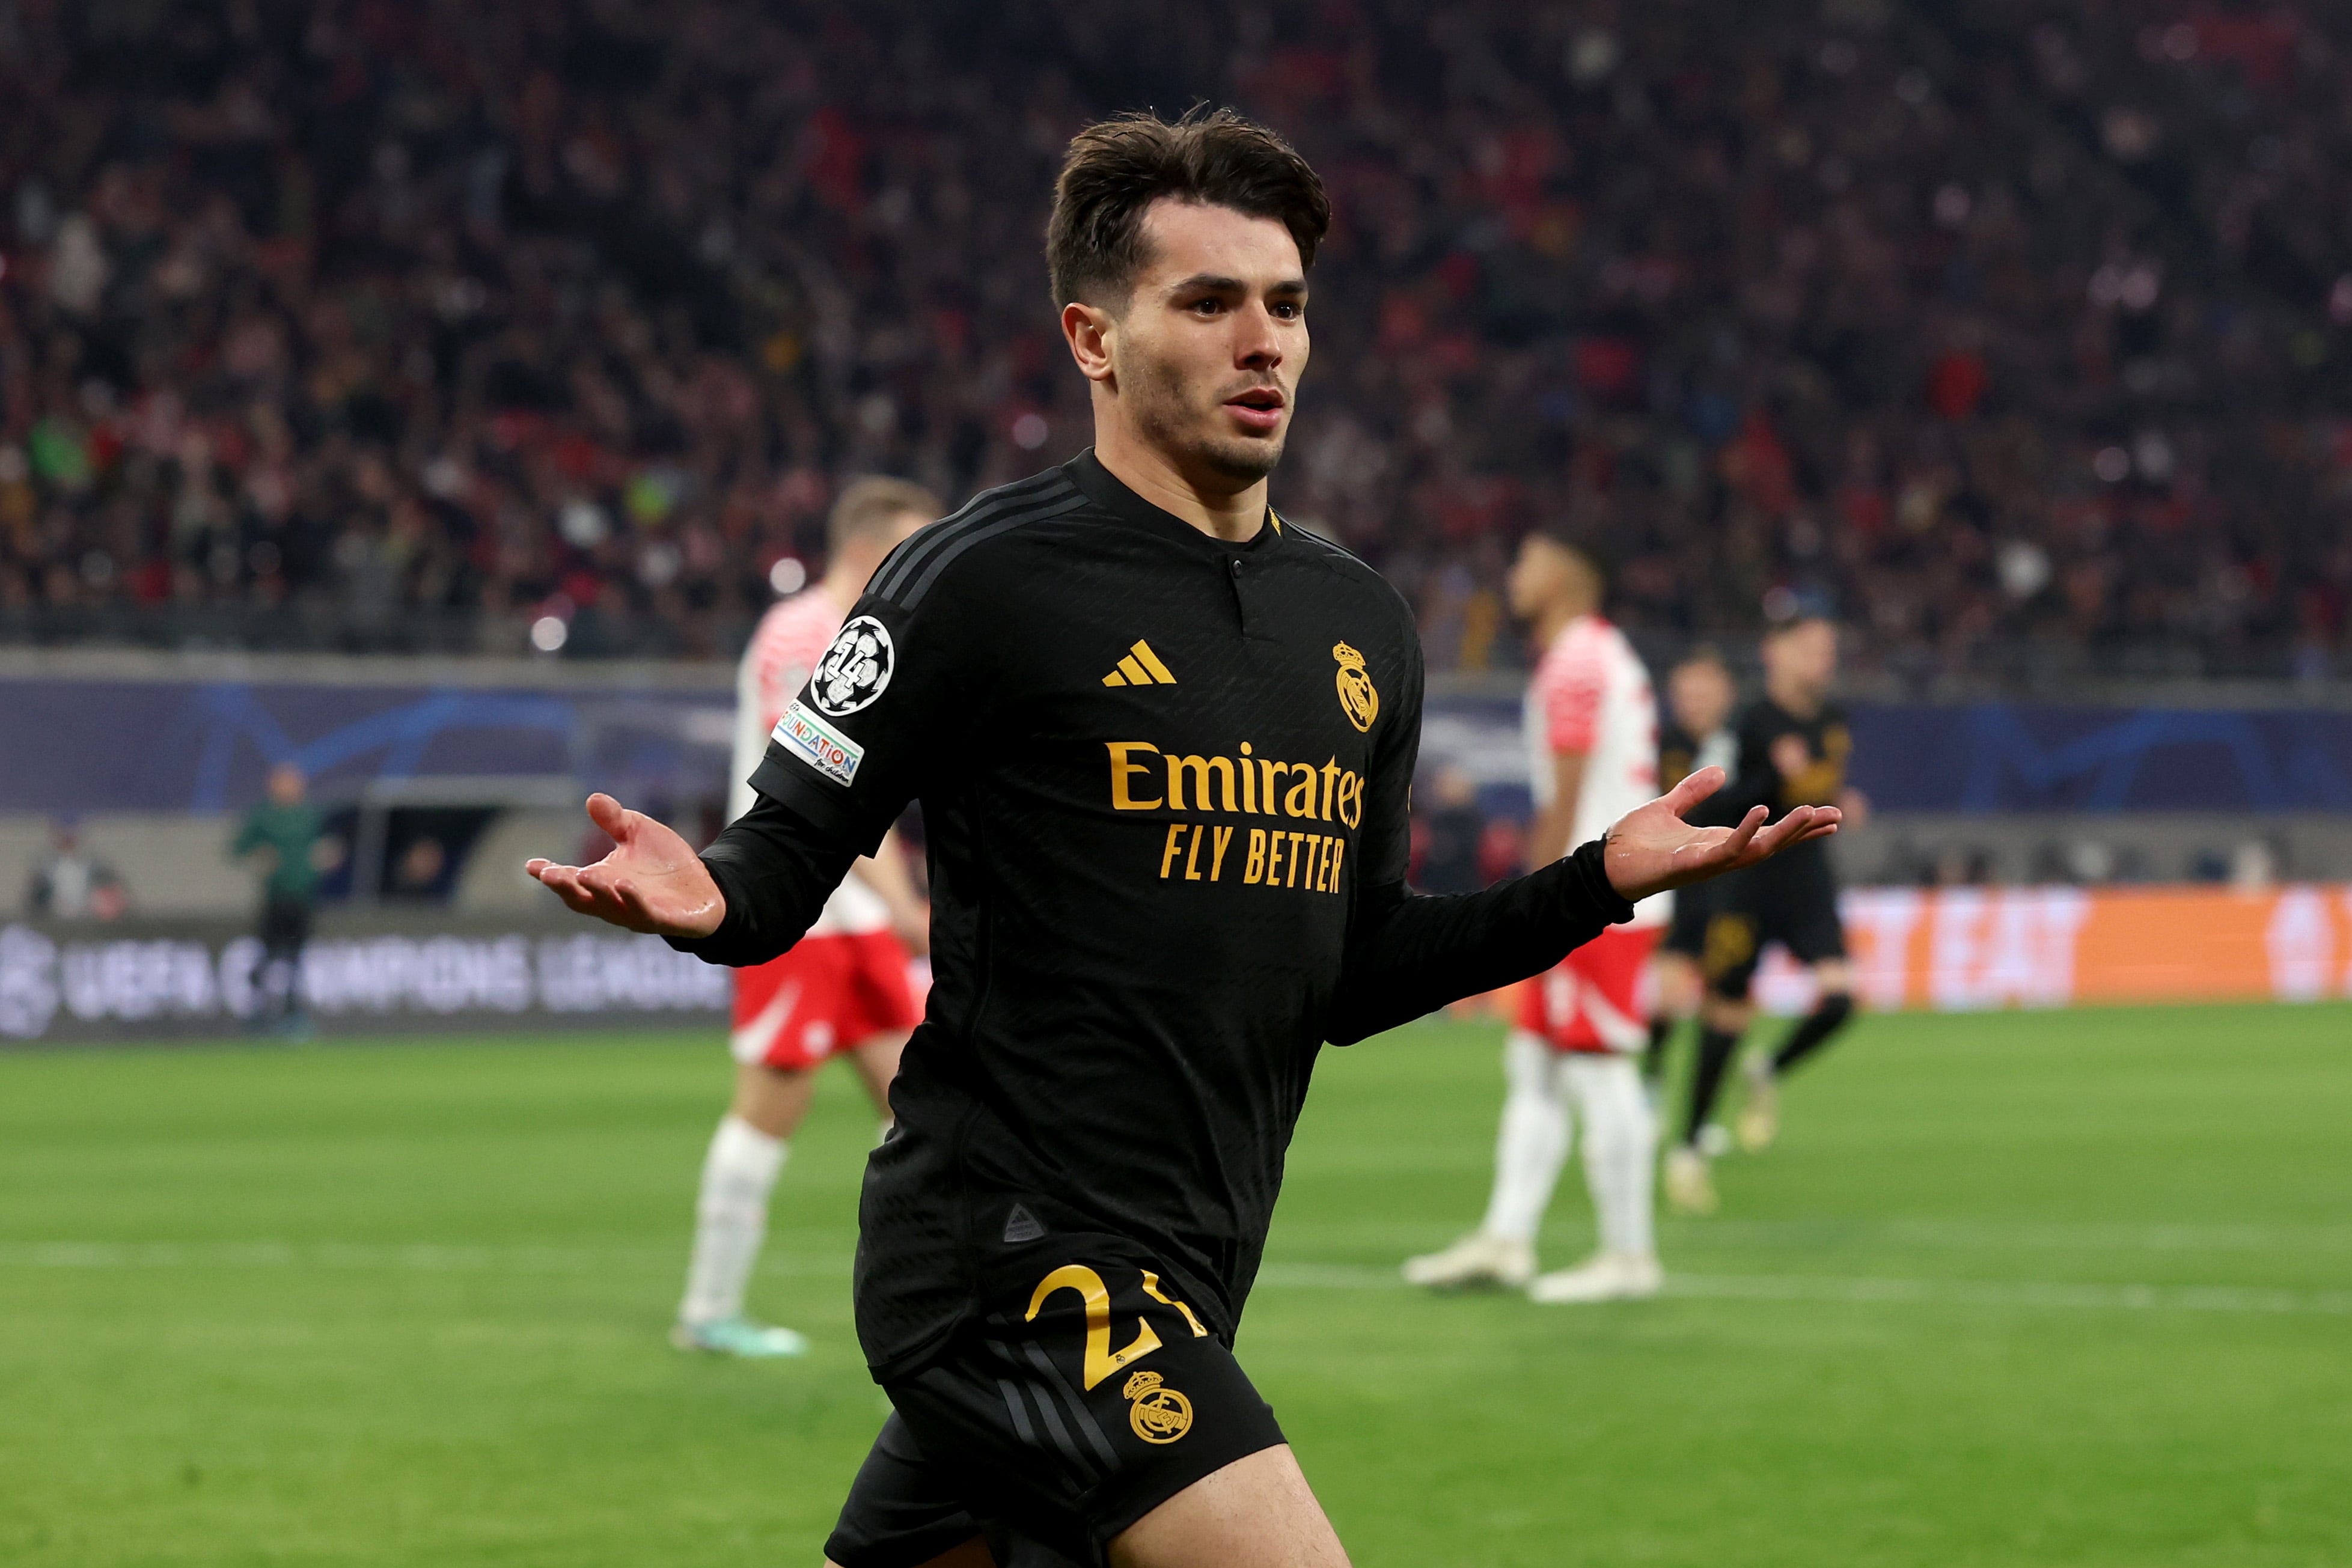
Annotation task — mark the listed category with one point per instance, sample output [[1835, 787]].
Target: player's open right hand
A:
[[652, 881], [1654, 848]]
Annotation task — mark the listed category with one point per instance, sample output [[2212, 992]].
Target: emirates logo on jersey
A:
[[856, 669]]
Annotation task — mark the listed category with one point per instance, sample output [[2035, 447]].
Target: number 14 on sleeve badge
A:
[[856, 670], [1358, 700]]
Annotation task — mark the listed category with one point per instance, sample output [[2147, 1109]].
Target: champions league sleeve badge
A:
[[856, 669]]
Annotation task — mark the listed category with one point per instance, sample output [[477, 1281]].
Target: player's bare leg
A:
[[1759, 1123], [730, 1213], [1690, 1188], [775, 1100], [1759, 1118], [1680, 988], [876, 1060], [1256, 1512], [1529, 1148]]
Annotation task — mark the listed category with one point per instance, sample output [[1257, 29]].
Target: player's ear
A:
[[1089, 328]]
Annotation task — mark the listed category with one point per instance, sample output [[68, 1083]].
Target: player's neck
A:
[[842, 588], [1556, 618], [1234, 518]]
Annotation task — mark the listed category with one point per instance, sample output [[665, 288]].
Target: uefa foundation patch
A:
[[818, 744]]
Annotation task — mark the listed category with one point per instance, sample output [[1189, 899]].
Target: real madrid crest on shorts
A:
[[1158, 1413], [1357, 697], [856, 669]]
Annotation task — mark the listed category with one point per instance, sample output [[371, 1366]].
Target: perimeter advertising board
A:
[[188, 979], [1963, 949], [1956, 949]]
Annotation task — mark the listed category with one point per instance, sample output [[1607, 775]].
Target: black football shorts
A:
[[1792, 900], [1051, 1425]]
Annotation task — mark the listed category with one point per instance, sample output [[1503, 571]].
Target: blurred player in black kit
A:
[[1163, 741], [1697, 734], [1793, 745]]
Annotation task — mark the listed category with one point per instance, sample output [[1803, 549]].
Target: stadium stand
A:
[[406, 327]]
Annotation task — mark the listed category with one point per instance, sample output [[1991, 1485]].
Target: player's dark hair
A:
[[1594, 556], [867, 505], [1786, 609], [1704, 654], [1774, 629], [1115, 170]]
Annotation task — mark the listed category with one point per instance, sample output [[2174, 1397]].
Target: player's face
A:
[[1206, 358], [1535, 577], [1700, 695], [1804, 656]]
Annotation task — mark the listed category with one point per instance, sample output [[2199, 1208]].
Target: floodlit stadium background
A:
[[432, 396]]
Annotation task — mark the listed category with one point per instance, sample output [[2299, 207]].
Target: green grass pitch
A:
[[2020, 1289]]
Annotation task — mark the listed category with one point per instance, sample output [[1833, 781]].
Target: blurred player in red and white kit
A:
[[842, 988], [1592, 739]]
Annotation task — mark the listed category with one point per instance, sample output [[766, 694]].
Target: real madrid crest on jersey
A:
[[856, 669], [1357, 697], [1158, 1413]]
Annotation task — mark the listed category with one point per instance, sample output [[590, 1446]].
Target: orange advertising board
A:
[[1964, 948]]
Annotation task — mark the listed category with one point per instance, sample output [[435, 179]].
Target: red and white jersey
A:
[[1590, 694], [791, 639]]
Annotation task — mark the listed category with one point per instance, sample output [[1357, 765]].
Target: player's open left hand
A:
[[1651, 850], [652, 881]]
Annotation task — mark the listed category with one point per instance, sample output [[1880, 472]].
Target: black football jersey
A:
[[1164, 782], [1827, 743]]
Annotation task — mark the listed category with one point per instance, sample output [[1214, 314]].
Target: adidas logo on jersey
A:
[[1140, 667]]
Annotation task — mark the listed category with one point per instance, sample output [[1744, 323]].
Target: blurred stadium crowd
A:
[[411, 325]]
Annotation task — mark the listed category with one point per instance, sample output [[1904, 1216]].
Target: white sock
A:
[[1621, 1142], [1532, 1144], [730, 1218]]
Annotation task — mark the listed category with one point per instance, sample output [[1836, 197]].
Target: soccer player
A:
[[841, 988], [1163, 741], [1592, 751], [288, 833], [1698, 734], [1793, 745]]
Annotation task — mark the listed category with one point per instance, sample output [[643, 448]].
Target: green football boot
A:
[[737, 1336]]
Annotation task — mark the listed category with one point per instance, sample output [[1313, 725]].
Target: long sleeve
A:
[[886, 703], [775, 869], [1409, 954]]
